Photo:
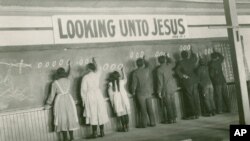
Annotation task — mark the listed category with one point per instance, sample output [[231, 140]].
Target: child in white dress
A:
[[119, 98], [65, 114], [94, 104]]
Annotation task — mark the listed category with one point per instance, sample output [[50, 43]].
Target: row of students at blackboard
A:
[[143, 88], [95, 113], [201, 78]]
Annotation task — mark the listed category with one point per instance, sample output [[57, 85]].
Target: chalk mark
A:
[[20, 65], [8, 89]]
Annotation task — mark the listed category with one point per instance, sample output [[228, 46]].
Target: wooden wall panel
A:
[[34, 125]]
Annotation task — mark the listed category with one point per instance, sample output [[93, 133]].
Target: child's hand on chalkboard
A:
[[167, 54], [185, 76], [197, 55], [69, 62], [159, 95]]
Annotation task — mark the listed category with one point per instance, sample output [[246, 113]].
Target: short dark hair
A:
[[214, 55], [140, 62], [61, 73], [203, 61], [116, 75], [114, 79], [184, 54], [162, 59], [91, 66]]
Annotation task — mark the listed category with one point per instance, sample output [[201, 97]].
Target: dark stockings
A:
[[102, 130], [94, 128], [125, 121], [71, 135], [65, 136]]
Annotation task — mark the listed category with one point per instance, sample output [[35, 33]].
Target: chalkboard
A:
[[26, 76], [224, 48]]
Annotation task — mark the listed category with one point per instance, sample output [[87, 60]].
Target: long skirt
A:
[[121, 104], [65, 115], [95, 110]]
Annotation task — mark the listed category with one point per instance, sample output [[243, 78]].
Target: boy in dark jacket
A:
[[166, 88], [185, 70], [218, 80], [206, 87]]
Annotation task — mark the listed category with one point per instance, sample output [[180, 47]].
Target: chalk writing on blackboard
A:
[[160, 53], [111, 67], [58, 63], [19, 65], [185, 47], [9, 91], [136, 55], [81, 62]]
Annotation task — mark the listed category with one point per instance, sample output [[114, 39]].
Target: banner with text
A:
[[117, 28]]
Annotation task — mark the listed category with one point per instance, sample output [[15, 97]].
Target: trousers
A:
[[145, 110], [208, 96], [168, 103], [193, 101], [221, 97]]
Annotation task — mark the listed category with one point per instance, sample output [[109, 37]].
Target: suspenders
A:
[[60, 88]]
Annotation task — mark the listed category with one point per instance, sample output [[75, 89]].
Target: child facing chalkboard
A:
[[119, 98], [95, 111], [65, 115], [219, 81]]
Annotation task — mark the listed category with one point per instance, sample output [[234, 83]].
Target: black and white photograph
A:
[[124, 70]]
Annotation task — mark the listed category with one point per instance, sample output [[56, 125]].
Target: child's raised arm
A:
[[123, 77]]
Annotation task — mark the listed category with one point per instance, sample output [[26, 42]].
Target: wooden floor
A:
[[203, 129]]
